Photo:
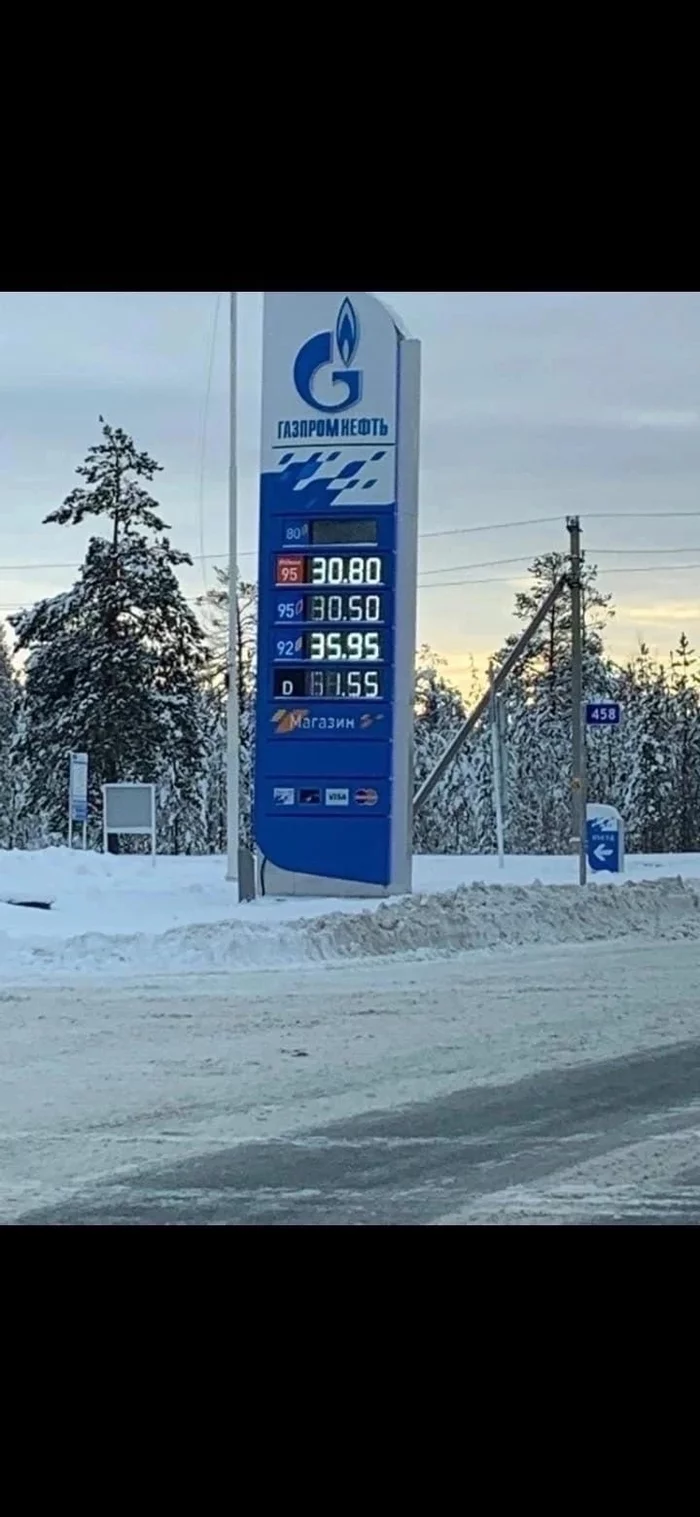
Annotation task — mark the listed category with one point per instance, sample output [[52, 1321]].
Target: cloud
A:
[[664, 613], [663, 421]]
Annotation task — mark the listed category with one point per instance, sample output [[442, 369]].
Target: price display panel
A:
[[348, 618], [329, 684], [331, 645], [330, 569], [334, 606]]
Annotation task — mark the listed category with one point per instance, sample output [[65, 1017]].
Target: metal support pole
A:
[[424, 793], [578, 774]]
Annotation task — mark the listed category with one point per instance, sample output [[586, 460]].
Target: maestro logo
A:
[[328, 348]]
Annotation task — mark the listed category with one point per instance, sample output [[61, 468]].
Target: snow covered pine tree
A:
[[537, 699], [115, 665], [439, 710]]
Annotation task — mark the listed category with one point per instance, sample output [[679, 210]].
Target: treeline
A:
[[119, 665]]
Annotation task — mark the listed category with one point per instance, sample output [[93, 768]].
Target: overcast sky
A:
[[534, 405]]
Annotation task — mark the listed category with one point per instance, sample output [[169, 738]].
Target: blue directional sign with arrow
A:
[[605, 847]]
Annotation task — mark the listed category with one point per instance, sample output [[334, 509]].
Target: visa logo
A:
[[337, 797]]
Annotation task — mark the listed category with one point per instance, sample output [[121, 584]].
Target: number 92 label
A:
[[287, 647]]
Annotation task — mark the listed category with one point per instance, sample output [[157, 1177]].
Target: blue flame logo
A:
[[347, 332], [319, 353]]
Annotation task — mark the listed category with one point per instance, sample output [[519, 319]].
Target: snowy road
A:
[[507, 1086], [597, 1144]]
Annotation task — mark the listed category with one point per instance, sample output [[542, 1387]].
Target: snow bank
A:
[[426, 925]]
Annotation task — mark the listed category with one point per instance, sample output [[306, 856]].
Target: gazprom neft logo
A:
[[314, 358], [324, 349]]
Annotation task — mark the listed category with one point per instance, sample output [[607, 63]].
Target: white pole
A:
[[232, 718]]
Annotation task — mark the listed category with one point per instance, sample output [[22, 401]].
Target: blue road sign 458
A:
[[603, 713]]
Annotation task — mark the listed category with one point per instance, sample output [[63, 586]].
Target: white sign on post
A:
[[129, 808], [78, 795]]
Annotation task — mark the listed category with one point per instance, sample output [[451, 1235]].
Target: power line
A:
[[489, 563], [601, 552], [19, 605], [525, 558], [649, 569], [535, 521], [446, 584], [494, 526], [634, 515]]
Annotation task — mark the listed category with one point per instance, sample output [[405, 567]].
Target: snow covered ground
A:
[[126, 916], [148, 1015]]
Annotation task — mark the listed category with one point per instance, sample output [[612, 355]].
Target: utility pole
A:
[[423, 794], [578, 750]]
